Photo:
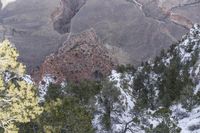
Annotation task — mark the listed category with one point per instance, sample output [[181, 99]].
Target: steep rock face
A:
[[81, 57], [63, 15], [137, 27], [134, 28], [28, 25]]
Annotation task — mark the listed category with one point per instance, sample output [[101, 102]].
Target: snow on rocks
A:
[[189, 122], [6, 2], [28, 79], [122, 114], [190, 44], [197, 88], [43, 86]]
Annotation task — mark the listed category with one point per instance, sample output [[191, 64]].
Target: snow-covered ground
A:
[[122, 110], [43, 86], [188, 121]]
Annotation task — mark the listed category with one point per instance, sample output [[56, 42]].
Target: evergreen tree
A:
[[66, 116], [138, 83], [170, 86], [84, 90], [18, 100], [109, 95], [141, 82]]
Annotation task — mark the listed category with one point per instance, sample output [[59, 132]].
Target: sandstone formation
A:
[[83, 56]]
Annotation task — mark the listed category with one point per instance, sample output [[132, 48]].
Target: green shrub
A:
[[66, 115], [162, 112], [54, 92], [106, 121], [84, 91], [126, 68]]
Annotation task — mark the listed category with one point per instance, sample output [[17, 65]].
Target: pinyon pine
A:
[[18, 98]]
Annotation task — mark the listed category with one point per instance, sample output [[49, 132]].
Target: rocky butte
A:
[[82, 57]]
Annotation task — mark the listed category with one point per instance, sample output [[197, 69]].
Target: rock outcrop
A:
[[82, 57], [63, 15]]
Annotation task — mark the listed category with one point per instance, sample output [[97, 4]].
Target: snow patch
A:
[[197, 88], [191, 124], [6, 2], [43, 87]]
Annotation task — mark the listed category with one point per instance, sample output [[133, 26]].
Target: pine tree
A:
[[18, 100], [109, 95], [66, 115]]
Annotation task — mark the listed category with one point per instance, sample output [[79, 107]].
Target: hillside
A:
[[160, 96], [99, 66]]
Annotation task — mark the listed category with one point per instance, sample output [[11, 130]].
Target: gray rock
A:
[[28, 24], [140, 32]]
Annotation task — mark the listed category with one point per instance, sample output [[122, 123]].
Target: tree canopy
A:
[[18, 98]]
